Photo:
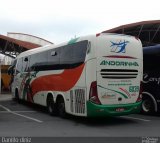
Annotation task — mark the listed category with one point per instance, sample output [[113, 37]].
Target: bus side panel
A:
[[151, 85], [90, 74], [76, 97]]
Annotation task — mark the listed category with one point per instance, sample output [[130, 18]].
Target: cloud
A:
[[60, 20], [57, 28]]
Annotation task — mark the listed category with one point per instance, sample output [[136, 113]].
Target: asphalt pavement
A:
[[5, 96], [28, 120]]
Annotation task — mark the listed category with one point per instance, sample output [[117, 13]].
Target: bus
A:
[[151, 80], [90, 76], [5, 78]]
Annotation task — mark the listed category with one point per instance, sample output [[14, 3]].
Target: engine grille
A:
[[77, 101], [119, 73]]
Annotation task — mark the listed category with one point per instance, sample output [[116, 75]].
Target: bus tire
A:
[[17, 95], [61, 107], [51, 107], [147, 105]]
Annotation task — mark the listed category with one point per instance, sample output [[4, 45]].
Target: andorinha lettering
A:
[[118, 63]]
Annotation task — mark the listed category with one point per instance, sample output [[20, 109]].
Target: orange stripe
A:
[[57, 82]]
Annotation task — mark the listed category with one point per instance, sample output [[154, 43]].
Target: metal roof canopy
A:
[[12, 47], [147, 31]]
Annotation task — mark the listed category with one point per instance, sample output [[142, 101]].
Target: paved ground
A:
[[6, 96], [25, 120]]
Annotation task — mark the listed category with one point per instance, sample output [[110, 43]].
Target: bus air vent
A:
[[80, 101], [119, 73], [71, 101]]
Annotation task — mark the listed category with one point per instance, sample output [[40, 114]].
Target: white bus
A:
[[97, 75]]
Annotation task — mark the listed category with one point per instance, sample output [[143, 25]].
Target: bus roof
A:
[[151, 49], [48, 47]]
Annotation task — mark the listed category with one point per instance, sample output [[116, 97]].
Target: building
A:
[[147, 31], [12, 45], [15, 43]]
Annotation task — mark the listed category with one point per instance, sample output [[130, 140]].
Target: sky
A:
[[60, 20]]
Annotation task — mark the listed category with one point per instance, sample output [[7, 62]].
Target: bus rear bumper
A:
[[94, 110]]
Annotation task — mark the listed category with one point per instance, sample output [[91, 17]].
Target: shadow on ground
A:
[[96, 121]]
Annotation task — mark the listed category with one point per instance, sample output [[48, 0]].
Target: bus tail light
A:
[[140, 93], [93, 94]]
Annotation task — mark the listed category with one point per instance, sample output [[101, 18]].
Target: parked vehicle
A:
[[5, 78], [96, 75], [151, 80]]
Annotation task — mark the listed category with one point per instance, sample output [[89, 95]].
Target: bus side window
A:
[[38, 61], [79, 51], [19, 66], [73, 54], [11, 69], [54, 57], [66, 56]]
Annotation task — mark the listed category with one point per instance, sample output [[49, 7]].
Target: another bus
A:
[[5, 78], [151, 80], [98, 75]]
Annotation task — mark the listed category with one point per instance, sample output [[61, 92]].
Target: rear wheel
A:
[[17, 95], [51, 107], [61, 107], [147, 105]]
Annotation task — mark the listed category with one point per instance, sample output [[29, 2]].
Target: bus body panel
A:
[[119, 70], [151, 76], [73, 81]]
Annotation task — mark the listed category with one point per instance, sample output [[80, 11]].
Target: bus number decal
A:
[[134, 89]]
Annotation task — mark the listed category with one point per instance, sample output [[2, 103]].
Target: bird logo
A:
[[119, 47]]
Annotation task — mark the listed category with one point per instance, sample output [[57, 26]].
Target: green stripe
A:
[[95, 110], [72, 41], [125, 96]]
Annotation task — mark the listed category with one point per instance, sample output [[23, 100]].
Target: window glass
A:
[[38, 61], [66, 55], [79, 51], [19, 65], [73, 53], [13, 63], [54, 56]]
